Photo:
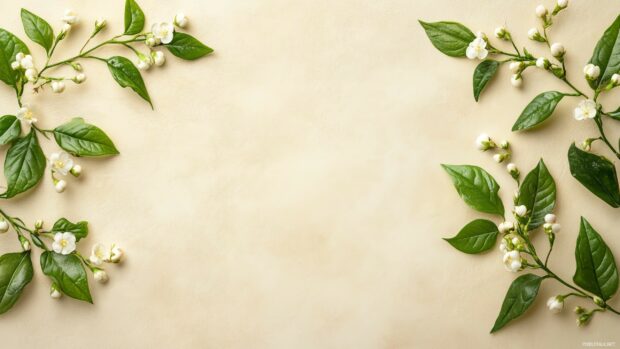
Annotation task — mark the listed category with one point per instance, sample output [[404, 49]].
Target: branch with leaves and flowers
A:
[[596, 274], [602, 73], [25, 162]]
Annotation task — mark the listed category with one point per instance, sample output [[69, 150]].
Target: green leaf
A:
[[520, 296], [82, 139], [477, 188], [450, 38], [10, 129], [79, 229], [187, 47], [539, 109], [614, 114], [607, 55], [537, 193], [595, 173], [477, 236], [68, 273], [596, 268], [127, 75], [134, 18], [483, 74], [10, 46], [24, 165], [15, 274], [37, 29]]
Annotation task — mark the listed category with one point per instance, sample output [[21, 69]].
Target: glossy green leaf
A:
[[450, 38], [614, 114], [483, 74], [127, 75], [476, 187], [595, 173], [10, 129], [24, 165], [538, 193], [10, 46], [134, 18], [539, 109], [79, 229], [607, 55], [37, 29], [68, 273], [15, 273], [187, 47], [82, 139], [596, 268], [519, 298], [476, 237]]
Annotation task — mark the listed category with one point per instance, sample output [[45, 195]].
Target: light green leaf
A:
[[537, 193], [134, 18], [596, 268], [520, 296], [37, 29], [127, 75], [15, 273], [82, 139], [483, 74], [595, 173], [10, 129], [476, 237], [187, 47], [10, 46], [24, 165], [477, 188], [68, 273], [79, 229], [607, 55], [450, 38], [539, 109]]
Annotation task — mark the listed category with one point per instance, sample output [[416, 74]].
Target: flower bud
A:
[[116, 254], [100, 276], [516, 67], [534, 34], [31, 74], [591, 71], [181, 20], [615, 79], [70, 17], [506, 227], [555, 228], [501, 33], [55, 292], [4, 226], [562, 3], [38, 225], [542, 63], [555, 304], [521, 210], [504, 145], [513, 170], [150, 41], [76, 66], [158, 58], [550, 218], [516, 80], [76, 170], [24, 242], [579, 310], [58, 86], [64, 31], [499, 158], [541, 11], [60, 185], [484, 142], [79, 78], [558, 50], [583, 319], [100, 23], [599, 301]]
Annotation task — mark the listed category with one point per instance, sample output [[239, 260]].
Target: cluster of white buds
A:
[[477, 49], [25, 63], [155, 57], [556, 304], [551, 226], [558, 50], [591, 71], [70, 19], [4, 226], [62, 164], [534, 34], [100, 254], [26, 114], [586, 109]]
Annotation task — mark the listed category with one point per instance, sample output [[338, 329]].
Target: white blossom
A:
[[591, 71], [158, 58], [562, 3], [555, 304], [163, 31], [181, 20], [476, 49], [484, 142], [585, 110], [516, 80], [99, 254], [512, 261], [100, 276], [70, 17], [557, 50], [58, 86], [61, 162], [64, 243], [25, 114], [116, 254], [521, 210]]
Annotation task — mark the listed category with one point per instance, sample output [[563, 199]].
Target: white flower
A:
[[76, 170], [516, 80], [60, 186], [585, 110], [521, 210], [158, 58], [26, 114], [500, 32], [58, 86], [555, 304], [542, 63], [556, 227], [550, 218], [562, 3], [476, 49], [4, 226], [100, 23], [99, 254], [79, 78], [615, 79], [163, 31], [512, 261], [116, 254], [61, 163], [484, 142], [591, 71], [181, 20], [66, 28], [557, 50], [54, 293], [31, 74], [101, 276], [26, 62], [506, 227], [541, 11], [516, 67], [70, 17], [533, 34], [64, 243]]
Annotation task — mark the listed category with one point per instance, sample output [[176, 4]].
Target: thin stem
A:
[[599, 124]]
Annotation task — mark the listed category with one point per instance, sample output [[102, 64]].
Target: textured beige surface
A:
[[286, 191]]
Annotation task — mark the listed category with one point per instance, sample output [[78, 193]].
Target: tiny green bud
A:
[[598, 301], [579, 310], [38, 224]]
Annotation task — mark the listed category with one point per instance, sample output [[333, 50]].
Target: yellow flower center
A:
[[64, 243], [59, 164]]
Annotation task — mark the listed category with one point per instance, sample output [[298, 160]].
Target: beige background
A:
[[286, 192]]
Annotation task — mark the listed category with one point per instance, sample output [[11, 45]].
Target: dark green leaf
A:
[[68, 273], [477, 188], [607, 55], [520, 296], [10, 46], [595, 173], [537, 193], [477, 236], [134, 18], [596, 268], [24, 165], [127, 75], [539, 109], [82, 139], [79, 229], [37, 29], [483, 74], [10, 129], [15, 274], [187, 47], [450, 38]]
